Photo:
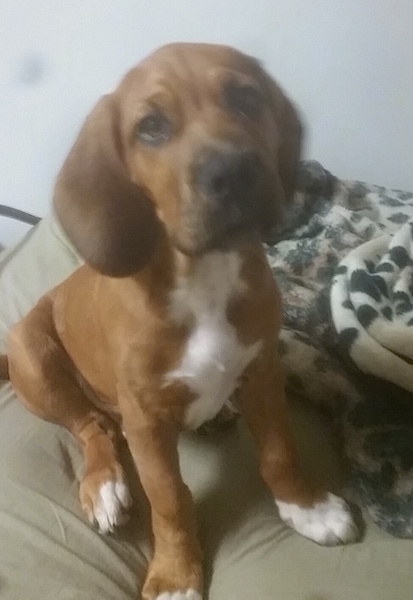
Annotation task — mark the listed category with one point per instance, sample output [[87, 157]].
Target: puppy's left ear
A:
[[289, 143]]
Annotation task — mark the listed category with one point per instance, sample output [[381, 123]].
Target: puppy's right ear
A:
[[107, 217]]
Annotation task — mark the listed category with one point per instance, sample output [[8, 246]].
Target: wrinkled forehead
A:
[[191, 70]]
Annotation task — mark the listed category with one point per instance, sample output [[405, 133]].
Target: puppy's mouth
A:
[[231, 238], [232, 228], [208, 226]]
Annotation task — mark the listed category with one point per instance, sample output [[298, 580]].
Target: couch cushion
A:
[[49, 551]]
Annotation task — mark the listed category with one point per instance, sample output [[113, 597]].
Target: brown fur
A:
[[4, 367], [97, 347]]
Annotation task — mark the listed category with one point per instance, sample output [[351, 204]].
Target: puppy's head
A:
[[197, 140]]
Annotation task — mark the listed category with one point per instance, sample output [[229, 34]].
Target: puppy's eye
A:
[[154, 129], [245, 100]]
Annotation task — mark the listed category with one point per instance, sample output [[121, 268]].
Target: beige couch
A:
[[49, 552]]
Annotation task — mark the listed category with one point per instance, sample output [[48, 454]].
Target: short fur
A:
[[175, 307]]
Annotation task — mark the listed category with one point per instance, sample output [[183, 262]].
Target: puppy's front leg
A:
[[310, 510], [175, 572]]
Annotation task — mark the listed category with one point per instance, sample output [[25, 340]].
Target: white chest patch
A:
[[214, 358]]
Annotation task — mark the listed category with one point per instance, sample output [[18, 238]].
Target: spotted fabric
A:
[[372, 304], [344, 265]]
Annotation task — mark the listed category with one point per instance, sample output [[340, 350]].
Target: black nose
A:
[[227, 176]]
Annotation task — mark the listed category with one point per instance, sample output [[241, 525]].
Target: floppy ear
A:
[[289, 142], [107, 217]]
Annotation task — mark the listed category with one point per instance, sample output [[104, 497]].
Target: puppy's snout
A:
[[228, 176]]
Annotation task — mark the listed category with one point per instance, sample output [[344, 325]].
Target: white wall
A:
[[347, 63]]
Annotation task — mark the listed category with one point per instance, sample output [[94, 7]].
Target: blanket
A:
[[344, 263]]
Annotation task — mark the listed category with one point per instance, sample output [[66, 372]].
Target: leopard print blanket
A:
[[344, 263]]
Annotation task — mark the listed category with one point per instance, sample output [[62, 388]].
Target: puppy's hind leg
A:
[[43, 377]]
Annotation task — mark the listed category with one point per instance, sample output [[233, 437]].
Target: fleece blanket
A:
[[344, 263]]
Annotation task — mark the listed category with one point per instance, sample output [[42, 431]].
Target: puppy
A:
[[173, 182]]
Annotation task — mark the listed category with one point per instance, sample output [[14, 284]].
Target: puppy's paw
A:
[[175, 579], [105, 499], [181, 595], [329, 522]]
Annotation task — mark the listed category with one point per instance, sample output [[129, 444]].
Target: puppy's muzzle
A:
[[229, 178], [226, 185]]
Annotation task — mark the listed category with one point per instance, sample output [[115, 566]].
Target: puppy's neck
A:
[[172, 272], [170, 264]]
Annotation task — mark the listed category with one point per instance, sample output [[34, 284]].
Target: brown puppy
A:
[[173, 181]]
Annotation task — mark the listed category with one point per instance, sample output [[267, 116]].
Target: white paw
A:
[[111, 506], [188, 595], [328, 523]]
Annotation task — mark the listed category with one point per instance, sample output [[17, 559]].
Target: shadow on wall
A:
[[31, 70]]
